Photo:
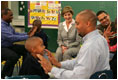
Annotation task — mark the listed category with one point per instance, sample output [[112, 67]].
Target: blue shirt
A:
[[9, 36]]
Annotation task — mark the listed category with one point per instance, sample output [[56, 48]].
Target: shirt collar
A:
[[73, 21], [4, 22], [90, 35], [65, 26]]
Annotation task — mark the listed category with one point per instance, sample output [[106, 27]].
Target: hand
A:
[[63, 49], [32, 31], [47, 66], [107, 32], [53, 59]]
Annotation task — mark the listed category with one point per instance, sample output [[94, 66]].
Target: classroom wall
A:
[[108, 6]]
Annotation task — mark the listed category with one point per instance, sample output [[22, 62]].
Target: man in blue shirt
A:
[[9, 51]]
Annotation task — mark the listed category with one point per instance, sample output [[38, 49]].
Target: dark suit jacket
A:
[[31, 66], [43, 36]]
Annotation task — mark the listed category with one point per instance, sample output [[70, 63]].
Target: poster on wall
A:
[[47, 11]]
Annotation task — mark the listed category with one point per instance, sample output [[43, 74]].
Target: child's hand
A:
[[32, 31], [53, 59], [47, 66]]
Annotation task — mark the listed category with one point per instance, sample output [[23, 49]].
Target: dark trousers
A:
[[11, 56], [113, 65]]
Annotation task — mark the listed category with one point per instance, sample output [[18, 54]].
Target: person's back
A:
[[43, 36], [94, 48]]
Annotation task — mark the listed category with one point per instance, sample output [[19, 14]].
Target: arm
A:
[[20, 33], [84, 68], [17, 33], [11, 36], [65, 64], [32, 31], [59, 38], [112, 48], [68, 64], [108, 33]]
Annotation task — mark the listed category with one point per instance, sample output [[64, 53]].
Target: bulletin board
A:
[[47, 11]]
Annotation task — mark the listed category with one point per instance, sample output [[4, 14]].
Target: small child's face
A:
[[40, 48]]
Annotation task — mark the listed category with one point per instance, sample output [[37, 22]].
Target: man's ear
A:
[[3, 16], [88, 23], [33, 50]]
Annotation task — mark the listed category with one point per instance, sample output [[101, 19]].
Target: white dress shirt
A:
[[92, 57], [65, 26]]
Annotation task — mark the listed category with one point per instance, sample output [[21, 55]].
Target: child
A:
[[36, 31], [31, 66]]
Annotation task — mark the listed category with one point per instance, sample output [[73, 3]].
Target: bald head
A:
[[85, 22], [88, 15], [32, 43]]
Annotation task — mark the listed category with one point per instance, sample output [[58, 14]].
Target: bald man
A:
[[92, 57]]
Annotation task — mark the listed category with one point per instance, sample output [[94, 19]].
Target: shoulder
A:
[[99, 26], [61, 24], [60, 27], [30, 59], [41, 34], [113, 26]]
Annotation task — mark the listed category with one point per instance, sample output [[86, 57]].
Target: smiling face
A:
[[8, 17], [80, 25], [104, 19], [68, 17]]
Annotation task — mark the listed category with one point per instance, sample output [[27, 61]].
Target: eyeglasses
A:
[[103, 18]]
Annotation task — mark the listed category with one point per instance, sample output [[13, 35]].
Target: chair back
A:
[[24, 77], [106, 74]]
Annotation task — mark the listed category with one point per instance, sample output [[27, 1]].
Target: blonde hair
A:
[[67, 9]]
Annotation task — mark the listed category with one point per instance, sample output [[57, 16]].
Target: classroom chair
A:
[[24, 77], [106, 74]]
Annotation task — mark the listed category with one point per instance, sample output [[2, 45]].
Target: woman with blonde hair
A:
[[68, 39]]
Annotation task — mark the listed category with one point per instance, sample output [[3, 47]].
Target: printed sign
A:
[[47, 11]]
